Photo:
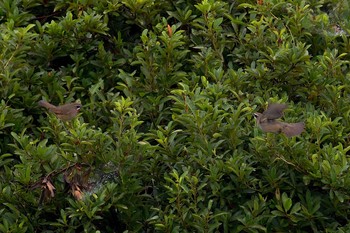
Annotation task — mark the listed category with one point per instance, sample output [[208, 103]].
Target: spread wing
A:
[[293, 129], [274, 111]]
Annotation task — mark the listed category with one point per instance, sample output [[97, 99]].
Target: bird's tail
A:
[[46, 104]]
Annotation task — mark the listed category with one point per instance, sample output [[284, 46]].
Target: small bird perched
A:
[[268, 123], [64, 112]]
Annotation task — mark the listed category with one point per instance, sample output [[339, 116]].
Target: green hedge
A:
[[166, 140]]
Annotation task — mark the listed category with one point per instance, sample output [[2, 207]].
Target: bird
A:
[[64, 112], [268, 122]]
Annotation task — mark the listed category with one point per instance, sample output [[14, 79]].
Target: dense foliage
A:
[[166, 140]]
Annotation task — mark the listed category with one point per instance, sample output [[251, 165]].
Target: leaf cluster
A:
[[166, 140]]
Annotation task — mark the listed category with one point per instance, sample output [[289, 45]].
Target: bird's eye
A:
[[255, 115], [78, 107]]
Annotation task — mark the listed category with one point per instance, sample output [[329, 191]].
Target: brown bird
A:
[[268, 123], [64, 112]]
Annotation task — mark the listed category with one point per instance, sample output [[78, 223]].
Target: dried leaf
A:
[[76, 191], [50, 188], [170, 31]]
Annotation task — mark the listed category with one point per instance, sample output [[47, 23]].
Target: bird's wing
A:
[[293, 129], [274, 111]]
